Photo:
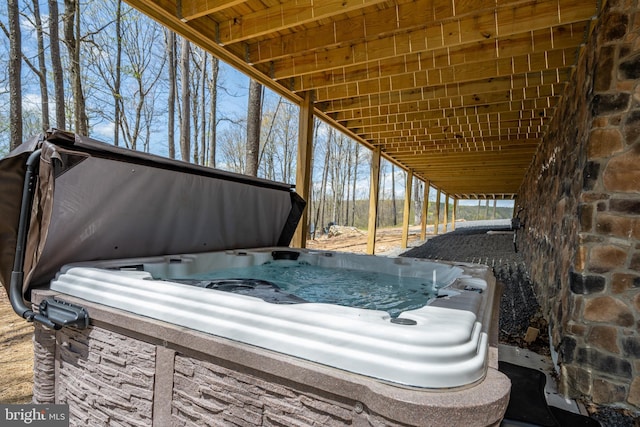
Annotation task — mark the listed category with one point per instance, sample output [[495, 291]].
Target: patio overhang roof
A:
[[460, 92]]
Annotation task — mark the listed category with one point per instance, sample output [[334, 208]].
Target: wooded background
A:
[[107, 71]]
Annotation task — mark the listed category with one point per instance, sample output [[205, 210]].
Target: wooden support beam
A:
[[455, 211], [374, 185], [407, 208], [437, 215], [303, 172], [425, 211], [284, 15], [192, 9]]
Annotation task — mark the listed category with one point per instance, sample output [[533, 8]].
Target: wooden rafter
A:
[[460, 92]]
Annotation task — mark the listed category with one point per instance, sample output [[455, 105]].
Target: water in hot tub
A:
[[353, 288]]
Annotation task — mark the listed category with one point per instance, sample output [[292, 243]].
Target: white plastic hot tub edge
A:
[[441, 345]]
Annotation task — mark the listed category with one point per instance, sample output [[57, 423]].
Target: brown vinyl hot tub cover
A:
[[96, 201]]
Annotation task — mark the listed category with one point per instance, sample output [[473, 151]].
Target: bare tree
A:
[[289, 137], [337, 182], [72, 38], [131, 78], [56, 64], [355, 180], [106, 61], [277, 154], [212, 83], [348, 179], [144, 68], [382, 205], [203, 110], [185, 128], [41, 70], [232, 145], [417, 200], [117, 104], [266, 159], [197, 79], [170, 50], [15, 70], [254, 116], [319, 221]]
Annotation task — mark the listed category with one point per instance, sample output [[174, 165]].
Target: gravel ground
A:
[[491, 243]]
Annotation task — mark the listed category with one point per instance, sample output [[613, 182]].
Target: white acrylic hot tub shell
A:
[[446, 348]]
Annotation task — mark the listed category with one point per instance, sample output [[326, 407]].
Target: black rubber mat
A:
[[528, 404]]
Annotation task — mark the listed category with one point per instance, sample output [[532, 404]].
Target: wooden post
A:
[[425, 211], [437, 219], [407, 208], [453, 216], [374, 185], [303, 165]]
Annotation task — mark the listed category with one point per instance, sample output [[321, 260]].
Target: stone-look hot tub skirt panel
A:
[[134, 370], [444, 346]]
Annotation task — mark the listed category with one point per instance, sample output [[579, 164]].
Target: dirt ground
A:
[[355, 241], [16, 335], [16, 355]]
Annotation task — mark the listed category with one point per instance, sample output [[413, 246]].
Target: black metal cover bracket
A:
[[62, 313]]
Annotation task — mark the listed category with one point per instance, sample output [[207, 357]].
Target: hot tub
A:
[[126, 334], [441, 341]]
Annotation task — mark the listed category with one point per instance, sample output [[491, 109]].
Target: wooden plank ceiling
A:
[[459, 91]]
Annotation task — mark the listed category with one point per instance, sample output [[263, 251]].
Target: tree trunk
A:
[[381, 217], [213, 100], [194, 76], [185, 128], [394, 208], [71, 21], [15, 79], [56, 65], [253, 128], [170, 49], [323, 185], [117, 101], [203, 110], [417, 201], [353, 191], [347, 181], [42, 67]]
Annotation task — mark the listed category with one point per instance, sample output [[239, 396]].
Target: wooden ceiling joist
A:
[[460, 92]]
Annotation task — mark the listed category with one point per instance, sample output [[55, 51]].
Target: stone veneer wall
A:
[[581, 237], [108, 378], [213, 394]]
